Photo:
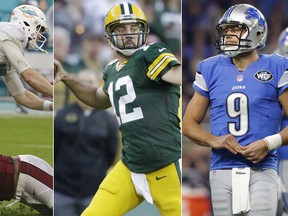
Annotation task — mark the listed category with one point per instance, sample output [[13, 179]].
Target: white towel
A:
[[141, 186], [240, 190]]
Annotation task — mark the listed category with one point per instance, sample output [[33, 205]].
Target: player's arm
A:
[[283, 99], [284, 136], [90, 95], [173, 76], [37, 81], [193, 116], [192, 129], [30, 75], [23, 96], [257, 150], [31, 101], [163, 65]]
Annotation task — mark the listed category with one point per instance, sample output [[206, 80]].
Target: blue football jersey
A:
[[244, 104], [282, 153]]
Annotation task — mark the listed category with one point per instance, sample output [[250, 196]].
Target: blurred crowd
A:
[[79, 34]]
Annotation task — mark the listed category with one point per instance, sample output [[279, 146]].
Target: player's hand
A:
[[59, 72], [256, 151], [227, 141]]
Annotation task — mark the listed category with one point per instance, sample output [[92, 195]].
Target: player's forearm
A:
[[173, 75], [284, 136], [84, 92], [196, 133], [88, 94], [283, 99], [37, 82], [31, 101]]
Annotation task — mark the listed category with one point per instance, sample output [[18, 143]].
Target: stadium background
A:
[[199, 19], [26, 131]]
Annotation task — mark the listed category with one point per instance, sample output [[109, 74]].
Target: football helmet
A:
[[283, 43], [125, 13], [253, 25], [33, 22]]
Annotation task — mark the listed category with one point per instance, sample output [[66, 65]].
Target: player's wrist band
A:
[[46, 105], [273, 141]]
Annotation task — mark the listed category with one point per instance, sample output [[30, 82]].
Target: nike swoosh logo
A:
[[160, 50], [161, 177]]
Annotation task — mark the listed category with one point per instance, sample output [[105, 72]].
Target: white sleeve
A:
[[14, 56], [200, 82], [284, 79], [14, 84]]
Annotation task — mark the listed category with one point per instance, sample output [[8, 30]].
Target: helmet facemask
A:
[[232, 49], [117, 40], [37, 40], [124, 14]]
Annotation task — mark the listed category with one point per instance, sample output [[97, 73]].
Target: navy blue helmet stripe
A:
[[229, 11]]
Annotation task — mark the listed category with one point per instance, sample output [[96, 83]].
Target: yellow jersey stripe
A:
[[158, 62], [158, 59], [161, 67]]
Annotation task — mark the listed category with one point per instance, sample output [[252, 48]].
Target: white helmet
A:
[[248, 18], [283, 43], [33, 22]]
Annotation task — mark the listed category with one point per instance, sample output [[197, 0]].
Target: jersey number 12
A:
[[124, 100]]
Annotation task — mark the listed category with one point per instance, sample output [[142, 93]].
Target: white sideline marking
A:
[[32, 145]]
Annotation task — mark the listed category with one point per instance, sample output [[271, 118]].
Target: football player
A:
[[27, 179], [283, 43], [27, 23], [246, 93], [142, 85], [283, 151]]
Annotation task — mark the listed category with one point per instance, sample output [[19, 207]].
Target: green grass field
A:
[[25, 134]]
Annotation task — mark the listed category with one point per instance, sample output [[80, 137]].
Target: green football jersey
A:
[[146, 108]]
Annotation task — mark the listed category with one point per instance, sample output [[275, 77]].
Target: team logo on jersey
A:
[[240, 78], [263, 76], [71, 118]]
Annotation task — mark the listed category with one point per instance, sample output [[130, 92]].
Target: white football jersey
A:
[[12, 61], [12, 45], [14, 33]]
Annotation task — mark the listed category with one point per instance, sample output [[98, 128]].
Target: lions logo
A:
[[252, 13]]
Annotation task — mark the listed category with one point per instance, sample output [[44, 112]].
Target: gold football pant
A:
[[117, 196]]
